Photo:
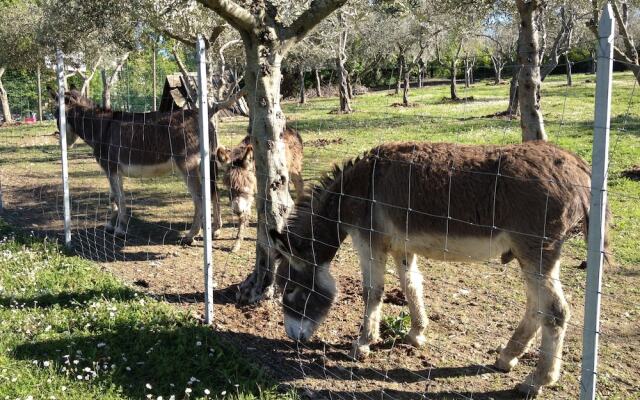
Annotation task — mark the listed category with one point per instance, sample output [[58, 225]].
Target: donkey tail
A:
[[608, 255]]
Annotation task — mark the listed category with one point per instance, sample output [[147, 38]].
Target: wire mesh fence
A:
[[453, 204]]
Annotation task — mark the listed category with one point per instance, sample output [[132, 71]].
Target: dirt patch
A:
[[410, 105], [472, 308], [446, 100], [338, 112], [324, 142], [632, 173], [395, 296]]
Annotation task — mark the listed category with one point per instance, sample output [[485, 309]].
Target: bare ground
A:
[[472, 308]]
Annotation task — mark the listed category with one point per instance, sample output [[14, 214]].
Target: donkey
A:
[[446, 202], [239, 175], [139, 145]]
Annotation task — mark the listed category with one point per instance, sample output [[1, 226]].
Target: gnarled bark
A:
[[266, 42], [529, 80], [109, 81], [453, 86], [318, 83], [4, 99], [303, 98]]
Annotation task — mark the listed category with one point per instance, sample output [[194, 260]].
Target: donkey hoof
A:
[[416, 340], [529, 388], [360, 351], [185, 241], [505, 364]]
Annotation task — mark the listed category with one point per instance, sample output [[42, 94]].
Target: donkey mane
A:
[[327, 186]]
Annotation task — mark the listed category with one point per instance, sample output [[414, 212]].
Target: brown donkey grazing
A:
[[140, 145], [239, 175], [445, 202]]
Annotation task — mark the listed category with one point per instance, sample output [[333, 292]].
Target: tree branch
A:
[[87, 79], [228, 103], [185, 75], [632, 53], [119, 66], [317, 11], [190, 41], [234, 14]]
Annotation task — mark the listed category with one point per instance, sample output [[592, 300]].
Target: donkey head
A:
[[75, 105], [309, 290], [239, 176]]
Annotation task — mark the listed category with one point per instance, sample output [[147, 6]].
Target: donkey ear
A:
[[280, 242], [52, 93], [247, 159], [223, 156]]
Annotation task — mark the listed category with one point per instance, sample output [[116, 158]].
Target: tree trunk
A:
[[318, 83], [266, 125], [568, 67], [39, 79], [497, 69], [155, 76], [454, 86], [405, 92], [420, 76], [345, 103], [106, 90], [4, 99], [514, 104], [349, 87], [467, 77], [303, 99], [529, 81], [400, 73], [594, 63]]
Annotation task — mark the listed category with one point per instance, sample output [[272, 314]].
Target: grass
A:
[[67, 287], [70, 331], [568, 114]]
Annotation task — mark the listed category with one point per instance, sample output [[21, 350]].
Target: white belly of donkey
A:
[[148, 170], [459, 248]]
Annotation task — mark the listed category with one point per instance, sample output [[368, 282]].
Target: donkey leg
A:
[[554, 317], [372, 266], [192, 178], [122, 219], [113, 204], [217, 215], [411, 284], [526, 330], [242, 223]]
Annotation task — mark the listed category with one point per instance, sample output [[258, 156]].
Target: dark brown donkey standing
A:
[[140, 145], [445, 202], [239, 175]]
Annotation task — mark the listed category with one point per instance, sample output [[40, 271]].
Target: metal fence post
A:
[[62, 126], [597, 212], [205, 158]]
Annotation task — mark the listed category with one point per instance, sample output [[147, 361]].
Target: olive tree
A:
[[268, 29], [19, 26], [625, 49], [529, 79]]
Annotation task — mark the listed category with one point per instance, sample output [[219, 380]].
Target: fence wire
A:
[[471, 309]]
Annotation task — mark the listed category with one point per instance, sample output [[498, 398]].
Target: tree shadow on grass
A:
[[166, 353], [69, 299]]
